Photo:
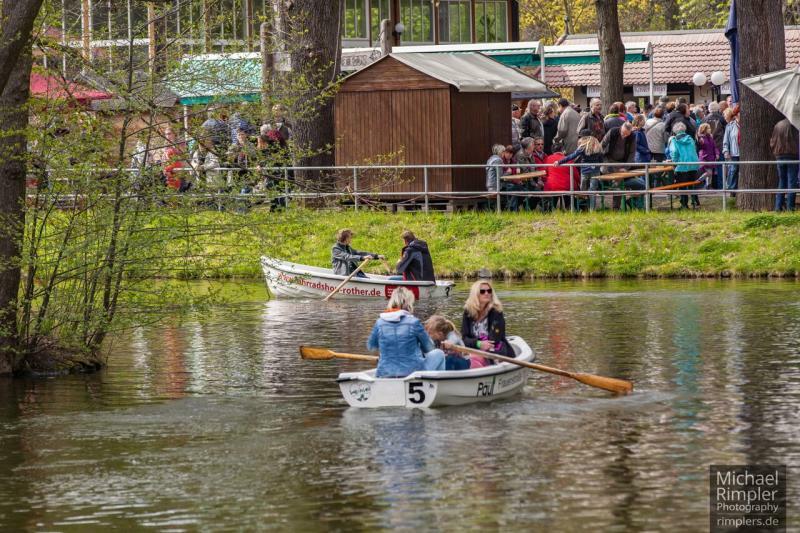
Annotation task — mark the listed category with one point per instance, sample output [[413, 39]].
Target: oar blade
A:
[[309, 352], [620, 386]]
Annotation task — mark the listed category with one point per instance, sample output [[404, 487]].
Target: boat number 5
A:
[[415, 392]]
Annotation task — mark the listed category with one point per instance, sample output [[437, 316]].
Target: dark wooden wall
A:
[[478, 120], [389, 113]]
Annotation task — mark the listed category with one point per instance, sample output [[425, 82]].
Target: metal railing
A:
[[361, 196]]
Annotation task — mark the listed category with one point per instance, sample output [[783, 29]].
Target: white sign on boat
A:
[[285, 279], [437, 388]]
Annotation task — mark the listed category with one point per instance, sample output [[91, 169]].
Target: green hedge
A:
[[607, 244]]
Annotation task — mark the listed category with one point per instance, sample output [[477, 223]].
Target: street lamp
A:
[[718, 78], [699, 79]]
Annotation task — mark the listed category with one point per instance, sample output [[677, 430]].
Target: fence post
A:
[[286, 188], [647, 187], [724, 187], [425, 184], [355, 188], [572, 188]]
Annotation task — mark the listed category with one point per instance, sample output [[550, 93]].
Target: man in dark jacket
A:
[[345, 259], [784, 145], [530, 124], [592, 120], [416, 263], [619, 146], [681, 114]]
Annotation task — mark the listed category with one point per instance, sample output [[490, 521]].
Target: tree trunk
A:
[[17, 23], [761, 49], [672, 14], [157, 37], [612, 52], [13, 169], [15, 73], [315, 23]]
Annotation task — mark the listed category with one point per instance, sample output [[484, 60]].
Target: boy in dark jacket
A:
[[416, 263]]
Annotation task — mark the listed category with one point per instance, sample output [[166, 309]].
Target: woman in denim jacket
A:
[[402, 340]]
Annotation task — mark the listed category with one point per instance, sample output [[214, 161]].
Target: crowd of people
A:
[[226, 154], [699, 138]]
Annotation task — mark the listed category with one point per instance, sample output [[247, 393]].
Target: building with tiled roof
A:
[[677, 56]]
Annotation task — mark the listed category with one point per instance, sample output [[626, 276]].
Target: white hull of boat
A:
[[292, 280], [438, 388]]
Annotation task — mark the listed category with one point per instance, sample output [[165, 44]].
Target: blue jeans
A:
[[589, 182], [631, 184], [511, 203], [434, 360], [733, 174], [787, 179]]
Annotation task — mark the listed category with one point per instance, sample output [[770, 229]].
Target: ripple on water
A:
[[219, 422]]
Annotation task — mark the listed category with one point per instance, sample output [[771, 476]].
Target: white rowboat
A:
[[292, 280], [436, 388]]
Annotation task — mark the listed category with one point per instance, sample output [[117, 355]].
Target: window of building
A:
[[491, 17], [454, 17], [379, 10], [417, 17], [355, 19]]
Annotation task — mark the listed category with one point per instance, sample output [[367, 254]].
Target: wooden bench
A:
[[673, 186], [677, 185], [614, 176], [619, 176], [525, 176]]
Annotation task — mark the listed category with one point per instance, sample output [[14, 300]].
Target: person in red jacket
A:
[[558, 179]]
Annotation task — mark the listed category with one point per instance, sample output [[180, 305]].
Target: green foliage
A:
[[544, 19], [515, 245], [768, 221]]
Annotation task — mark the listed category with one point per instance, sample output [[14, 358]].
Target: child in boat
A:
[[443, 334]]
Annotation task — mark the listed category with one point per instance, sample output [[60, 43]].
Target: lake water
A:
[[217, 423]]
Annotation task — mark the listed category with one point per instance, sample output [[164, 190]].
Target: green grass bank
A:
[[606, 244]]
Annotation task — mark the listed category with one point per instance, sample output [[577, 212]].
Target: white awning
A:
[[472, 72], [590, 53], [781, 89], [535, 47]]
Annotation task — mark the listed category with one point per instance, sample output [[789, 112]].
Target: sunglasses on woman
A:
[[486, 291]]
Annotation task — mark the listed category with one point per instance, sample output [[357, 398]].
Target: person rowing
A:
[[344, 258]]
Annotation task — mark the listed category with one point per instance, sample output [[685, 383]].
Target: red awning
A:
[[52, 88]]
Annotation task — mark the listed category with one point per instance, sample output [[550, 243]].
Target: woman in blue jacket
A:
[[402, 340], [683, 149]]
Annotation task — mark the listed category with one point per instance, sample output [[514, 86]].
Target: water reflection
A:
[[218, 421]]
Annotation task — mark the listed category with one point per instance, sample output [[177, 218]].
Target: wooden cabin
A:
[[427, 108]]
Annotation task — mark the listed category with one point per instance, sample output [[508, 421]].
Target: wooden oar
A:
[[323, 354], [389, 269], [619, 386], [348, 278]]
